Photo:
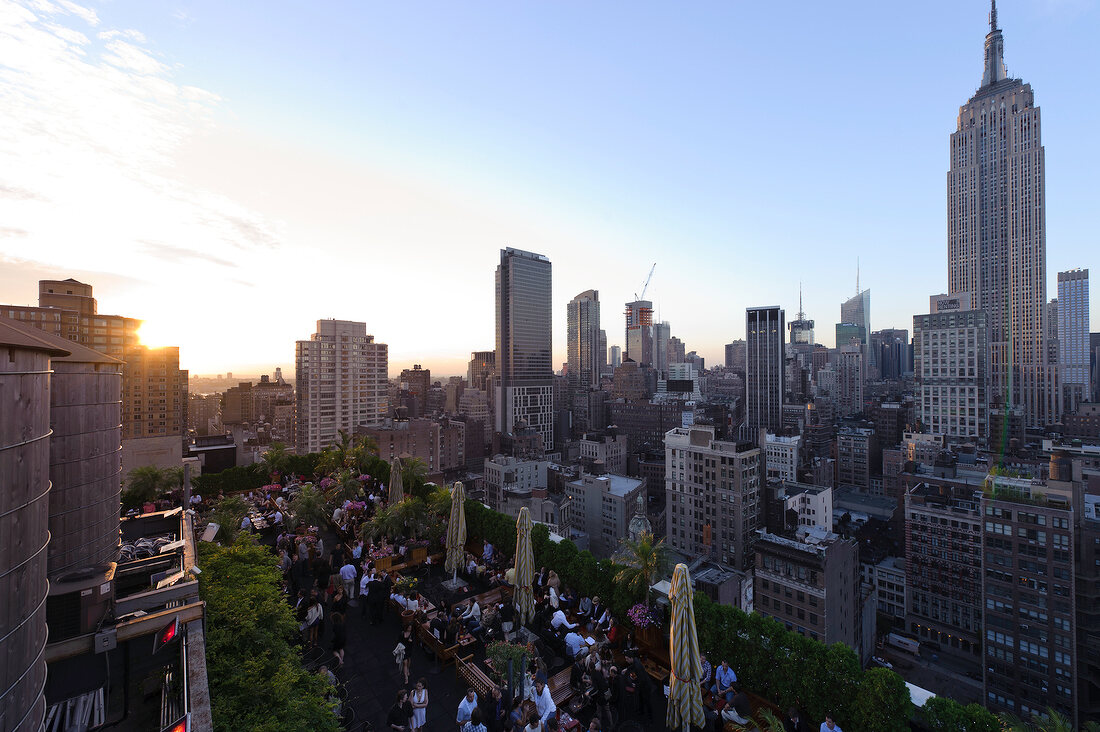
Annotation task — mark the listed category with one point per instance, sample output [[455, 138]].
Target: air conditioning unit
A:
[[78, 601]]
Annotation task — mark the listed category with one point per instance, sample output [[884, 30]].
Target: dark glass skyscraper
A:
[[764, 369], [525, 386], [582, 328]]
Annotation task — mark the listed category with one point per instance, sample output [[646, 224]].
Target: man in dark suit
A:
[[643, 687], [376, 599], [794, 721]]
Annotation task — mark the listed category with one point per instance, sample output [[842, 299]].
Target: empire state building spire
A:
[[994, 51]]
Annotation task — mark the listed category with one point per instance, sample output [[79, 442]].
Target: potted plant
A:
[[500, 653]]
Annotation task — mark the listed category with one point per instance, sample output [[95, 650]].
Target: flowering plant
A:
[[271, 487], [641, 616], [326, 482], [356, 505], [416, 542], [381, 552], [364, 477], [309, 539]]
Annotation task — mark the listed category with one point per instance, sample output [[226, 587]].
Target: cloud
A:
[[17, 193], [90, 139], [169, 253]]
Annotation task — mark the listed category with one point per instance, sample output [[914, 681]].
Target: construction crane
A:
[[646, 285]]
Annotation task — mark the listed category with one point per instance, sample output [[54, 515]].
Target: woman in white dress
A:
[[420, 705]]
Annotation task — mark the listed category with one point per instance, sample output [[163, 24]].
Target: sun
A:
[[156, 334]]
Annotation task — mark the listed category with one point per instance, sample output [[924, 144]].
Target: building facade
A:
[[1073, 338], [525, 373], [950, 356], [996, 223], [639, 332], [943, 567], [1029, 610], [602, 506], [810, 583], [714, 501], [764, 369], [582, 336], [342, 381]]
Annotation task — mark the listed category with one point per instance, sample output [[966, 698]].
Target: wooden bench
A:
[[474, 677], [560, 690], [442, 653]]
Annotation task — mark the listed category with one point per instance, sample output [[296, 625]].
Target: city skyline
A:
[[197, 174]]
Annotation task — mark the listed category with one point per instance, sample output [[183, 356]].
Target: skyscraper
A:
[[996, 231], [525, 386], [662, 332], [764, 369], [342, 382], [582, 335], [480, 371], [1073, 338], [639, 331]]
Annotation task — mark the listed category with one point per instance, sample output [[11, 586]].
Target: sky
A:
[[232, 172]]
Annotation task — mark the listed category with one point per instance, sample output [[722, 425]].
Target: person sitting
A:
[[584, 607], [472, 617], [616, 635], [487, 553], [559, 621], [567, 599], [597, 612], [471, 566], [724, 681], [575, 644], [603, 621], [708, 672]]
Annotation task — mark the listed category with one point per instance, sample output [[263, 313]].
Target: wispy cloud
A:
[[93, 121], [169, 253]]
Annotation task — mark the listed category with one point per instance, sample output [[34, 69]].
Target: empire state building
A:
[[996, 229]]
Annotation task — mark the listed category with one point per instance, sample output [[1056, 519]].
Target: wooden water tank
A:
[[24, 518], [85, 462]]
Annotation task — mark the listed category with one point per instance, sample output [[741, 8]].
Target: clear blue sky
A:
[[386, 151]]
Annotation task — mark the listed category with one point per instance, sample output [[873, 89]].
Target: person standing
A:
[[419, 700], [400, 651], [643, 688], [407, 641], [339, 638], [544, 703], [347, 577], [398, 717], [466, 708], [474, 725], [794, 722]]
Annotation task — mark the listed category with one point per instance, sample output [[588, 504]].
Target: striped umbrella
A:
[[456, 529], [525, 568], [397, 490], [685, 700]]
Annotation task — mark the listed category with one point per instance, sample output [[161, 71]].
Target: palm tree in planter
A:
[[275, 460], [385, 522], [764, 721], [145, 484], [412, 513], [308, 507], [642, 561], [335, 457]]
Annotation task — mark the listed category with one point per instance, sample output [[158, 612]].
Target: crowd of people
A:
[[606, 673]]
